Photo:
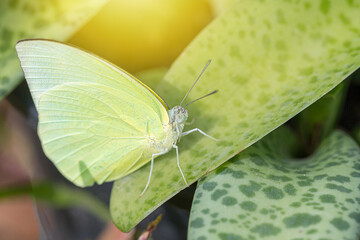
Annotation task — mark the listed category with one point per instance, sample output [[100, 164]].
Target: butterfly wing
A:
[[48, 63], [93, 117]]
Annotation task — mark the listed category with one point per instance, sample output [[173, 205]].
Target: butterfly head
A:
[[178, 115]]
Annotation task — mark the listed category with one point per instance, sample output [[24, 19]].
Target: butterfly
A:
[[97, 123]]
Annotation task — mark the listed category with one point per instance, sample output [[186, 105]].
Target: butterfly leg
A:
[[151, 168], [191, 122], [200, 131], [178, 163]]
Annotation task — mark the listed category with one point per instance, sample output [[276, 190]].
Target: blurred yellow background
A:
[[142, 34]]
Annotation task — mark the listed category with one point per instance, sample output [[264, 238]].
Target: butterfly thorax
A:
[[173, 130], [178, 116]]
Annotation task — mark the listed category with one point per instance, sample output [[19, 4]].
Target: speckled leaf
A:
[[19, 19], [270, 60], [263, 192]]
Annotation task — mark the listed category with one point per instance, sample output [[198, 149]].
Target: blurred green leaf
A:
[[20, 19], [271, 59], [220, 6], [356, 77], [263, 192], [152, 77], [59, 195], [318, 120], [356, 133]]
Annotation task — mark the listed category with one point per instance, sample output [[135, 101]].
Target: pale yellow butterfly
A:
[[97, 123]]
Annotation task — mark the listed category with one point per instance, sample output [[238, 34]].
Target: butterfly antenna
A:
[[207, 64], [201, 97]]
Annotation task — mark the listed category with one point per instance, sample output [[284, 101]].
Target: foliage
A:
[[271, 59], [22, 19], [58, 195], [264, 192], [265, 77]]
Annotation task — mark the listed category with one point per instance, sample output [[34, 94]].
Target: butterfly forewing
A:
[[49, 63]]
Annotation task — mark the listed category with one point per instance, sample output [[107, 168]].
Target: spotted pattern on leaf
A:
[[278, 209], [270, 60]]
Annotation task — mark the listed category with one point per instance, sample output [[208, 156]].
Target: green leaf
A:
[[20, 19], [318, 120], [263, 192], [59, 195], [220, 6], [270, 60], [152, 77], [356, 133]]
